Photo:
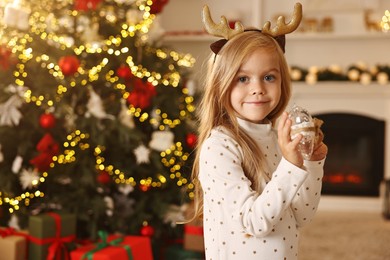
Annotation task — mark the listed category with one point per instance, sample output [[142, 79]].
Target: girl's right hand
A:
[[289, 147]]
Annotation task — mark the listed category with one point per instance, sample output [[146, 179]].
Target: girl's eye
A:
[[269, 77], [243, 79]]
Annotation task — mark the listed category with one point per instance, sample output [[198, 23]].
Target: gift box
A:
[[193, 237], [115, 247], [13, 244], [177, 252], [51, 235], [193, 232]]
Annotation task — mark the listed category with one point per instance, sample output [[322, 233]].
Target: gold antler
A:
[[281, 27], [221, 29]]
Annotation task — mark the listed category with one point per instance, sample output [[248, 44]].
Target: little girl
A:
[[254, 189]]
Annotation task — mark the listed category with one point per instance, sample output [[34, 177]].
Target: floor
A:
[[346, 235]]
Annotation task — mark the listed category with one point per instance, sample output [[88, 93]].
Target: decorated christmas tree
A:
[[95, 116]]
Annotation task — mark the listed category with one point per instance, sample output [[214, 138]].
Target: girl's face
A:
[[256, 88]]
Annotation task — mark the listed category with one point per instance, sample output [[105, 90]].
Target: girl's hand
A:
[[289, 147]]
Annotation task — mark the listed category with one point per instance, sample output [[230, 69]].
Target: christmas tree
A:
[[95, 116]]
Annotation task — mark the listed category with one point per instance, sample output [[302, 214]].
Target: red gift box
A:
[[116, 247]]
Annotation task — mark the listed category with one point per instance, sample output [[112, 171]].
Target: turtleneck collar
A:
[[256, 130]]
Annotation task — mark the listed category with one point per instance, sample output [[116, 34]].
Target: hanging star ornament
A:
[[161, 140], [125, 117], [175, 214], [28, 178], [142, 154], [125, 189], [9, 111], [95, 106]]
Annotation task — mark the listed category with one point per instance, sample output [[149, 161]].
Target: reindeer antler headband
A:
[[223, 30]]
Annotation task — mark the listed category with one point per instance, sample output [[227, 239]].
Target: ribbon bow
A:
[[104, 243], [7, 232], [57, 244], [11, 232]]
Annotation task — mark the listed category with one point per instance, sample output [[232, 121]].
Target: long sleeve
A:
[[306, 201], [225, 184], [240, 223]]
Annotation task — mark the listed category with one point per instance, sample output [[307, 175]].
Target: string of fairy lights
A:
[[172, 158]]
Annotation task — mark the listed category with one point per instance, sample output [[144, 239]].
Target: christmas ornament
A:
[[125, 117], [142, 94], [95, 106], [109, 205], [191, 86], [133, 16], [144, 187], [124, 72], [175, 214], [86, 5], [90, 35], [296, 74], [125, 189], [28, 178], [47, 121], [161, 140], [302, 123], [158, 6], [311, 78], [382, 78], [353, 74], [365, 78], [146, 230], [6, 58], [191, 140], [17, 164], [142, 154], [16, 16], [156, 31], [69, 65], [14, 222], [47, 148], [9, 111], [103, 177]]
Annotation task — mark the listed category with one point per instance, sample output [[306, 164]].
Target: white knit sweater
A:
[[240, 223]]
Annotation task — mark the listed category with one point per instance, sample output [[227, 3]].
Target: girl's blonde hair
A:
[[215, 108]]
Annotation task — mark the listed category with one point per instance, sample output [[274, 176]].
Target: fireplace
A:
[[355, 162], [355, 119]]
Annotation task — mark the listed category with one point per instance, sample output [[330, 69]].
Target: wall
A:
[[347, 44]]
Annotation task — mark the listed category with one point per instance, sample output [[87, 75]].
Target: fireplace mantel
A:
[[370, 100], [347, 97]]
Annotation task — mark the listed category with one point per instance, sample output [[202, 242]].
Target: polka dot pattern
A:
[[240, 223]]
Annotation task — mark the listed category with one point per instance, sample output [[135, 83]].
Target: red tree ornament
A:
[[103, 177], [124, 72], [6, 58], [191, 140], [147, 231], [158, 6], [69, 64], [85, 5], [47, 148], [47, 121], [144, 187], [142, 94]]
